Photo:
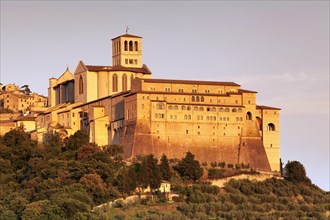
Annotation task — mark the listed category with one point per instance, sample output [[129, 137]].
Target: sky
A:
[[278, 48]]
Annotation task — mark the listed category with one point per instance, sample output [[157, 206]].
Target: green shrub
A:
[[222, 164], [216, 173], [230, 165]]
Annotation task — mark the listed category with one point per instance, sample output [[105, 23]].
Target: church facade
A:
[[122, 104]]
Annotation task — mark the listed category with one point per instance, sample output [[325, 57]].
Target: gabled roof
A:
[[126, 35], [66, 76], [144, 69]]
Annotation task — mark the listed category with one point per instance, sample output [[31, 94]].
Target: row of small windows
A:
[[220, 91], [159, 115], [197, 98], [208, 109], [199, 117], [131, 61], [128, 45]]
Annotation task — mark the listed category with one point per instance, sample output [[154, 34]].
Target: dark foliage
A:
[[150, 172], [189, 168], [164, 167], [295, 172]]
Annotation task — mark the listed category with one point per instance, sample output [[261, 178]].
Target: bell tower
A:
[[127, 51]]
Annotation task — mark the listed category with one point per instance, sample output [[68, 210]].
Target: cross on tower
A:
[[127, 29]]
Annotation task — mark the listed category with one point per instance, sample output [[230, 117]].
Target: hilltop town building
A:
[[16, 107], [121, 104]]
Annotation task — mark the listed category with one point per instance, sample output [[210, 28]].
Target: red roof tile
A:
[[126, 35], [191, 82], [267, 107], [144, 69]]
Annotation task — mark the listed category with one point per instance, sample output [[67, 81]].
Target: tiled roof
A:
[[247, 91], [25, 118], [190, 82], [144, 69], [126, 35], [267, 107]]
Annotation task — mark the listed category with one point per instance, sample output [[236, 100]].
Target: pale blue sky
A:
[[278, 48]]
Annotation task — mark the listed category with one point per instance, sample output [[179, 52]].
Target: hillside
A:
[[243, 199], [65, 180]]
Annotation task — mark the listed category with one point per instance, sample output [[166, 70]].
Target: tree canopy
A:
[[189, 168], [295, 172]]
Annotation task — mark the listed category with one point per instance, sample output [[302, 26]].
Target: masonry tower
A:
[[127, 51]]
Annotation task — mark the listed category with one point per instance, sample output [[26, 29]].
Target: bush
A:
[[222, 164], [216, 173], [230, 165], [295, 172], [213, 164]]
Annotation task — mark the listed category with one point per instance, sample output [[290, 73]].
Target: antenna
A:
[[127, 28]]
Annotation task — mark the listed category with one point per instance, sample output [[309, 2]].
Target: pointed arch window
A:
[[130, 45], [115, 83], [124, 82], [136, 45], [81, 85]]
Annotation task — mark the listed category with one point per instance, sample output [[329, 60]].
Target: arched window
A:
[[183, 107], [227, 110], [130, 45], [189, 117], [248, 116], [188, 108], [192, 98], [234, 110], [207, 118], [239, 110], [213, 109], [220, 109], [271, 127], [201, 109], [202, 99], [170, 107], [195, 108], [197, 98], [136, 45], [115, 83], [176, 107], [125, 45], [160, 106], [124, 82], [81, 85], [185, 117]]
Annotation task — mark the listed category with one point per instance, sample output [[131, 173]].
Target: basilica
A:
[[123, 105]]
